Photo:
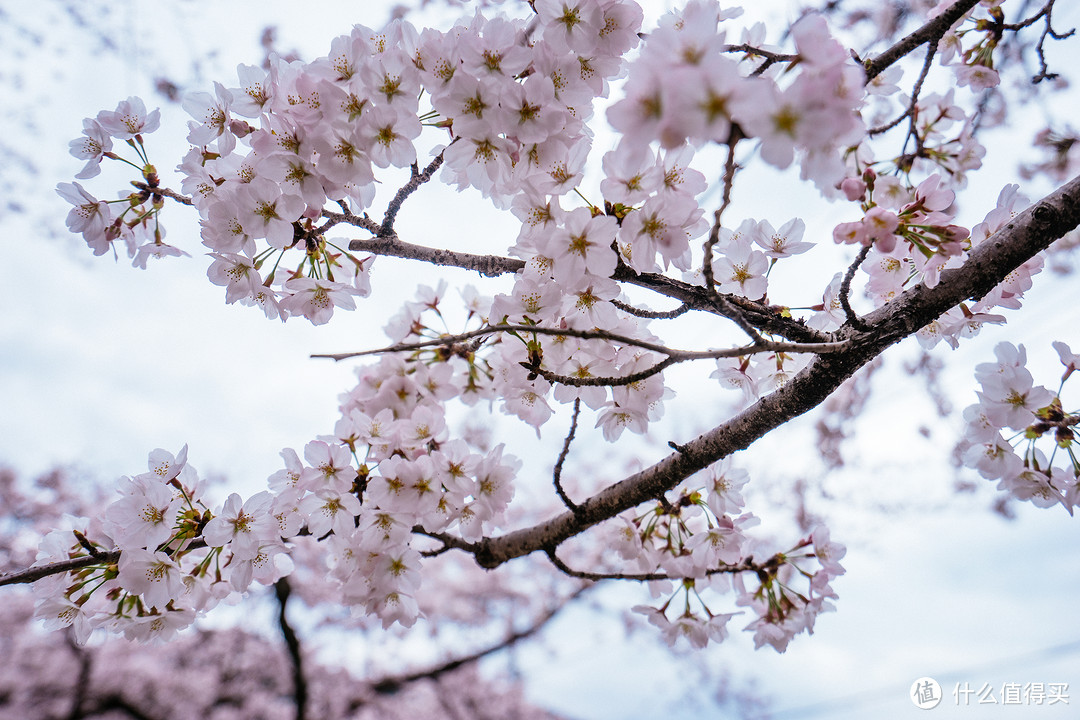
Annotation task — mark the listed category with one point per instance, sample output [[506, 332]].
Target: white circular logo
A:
[[925, 693]]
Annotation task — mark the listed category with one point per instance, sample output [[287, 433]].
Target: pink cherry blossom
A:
[[92, 148], [129, 119]]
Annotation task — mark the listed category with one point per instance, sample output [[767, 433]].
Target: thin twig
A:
[[347, 217], [747, 565], [1048, 30], [652, 314], [418, 178], [556, 475], [931, 51], [771, 58], [681, 355], [714, 233], [164, 192], [394, 683], [619, 381], [845, 290]]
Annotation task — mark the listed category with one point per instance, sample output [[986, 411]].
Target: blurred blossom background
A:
[[100, 363]]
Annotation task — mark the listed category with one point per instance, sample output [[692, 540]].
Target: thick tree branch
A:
[[987, 265], [37, 572], [40, 571], [391, 245], [930, 32], [282, 590]]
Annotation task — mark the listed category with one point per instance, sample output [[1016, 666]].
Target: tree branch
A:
[[930, 32], [651, 314], [282, 589], [987, 265], [163, 192], [116, 702], [747, 565], [391, 245], [418, 178], [757, 315], [33, 574], [913, 100], [556, 474], [394, 683], [1048, 30], [845, 290], [674, 355], [733, 307], [82, 682]]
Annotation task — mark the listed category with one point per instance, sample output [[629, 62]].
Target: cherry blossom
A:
[[92, 148], [129, 119], [283, 176]]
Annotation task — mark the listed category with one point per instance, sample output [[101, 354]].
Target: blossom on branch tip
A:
[[92, 147], [90, 217], [129, 119]]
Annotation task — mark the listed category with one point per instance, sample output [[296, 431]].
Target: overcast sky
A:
[[100, 363]]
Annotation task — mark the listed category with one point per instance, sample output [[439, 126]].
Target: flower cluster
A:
[[389, 468], [291, 151], [1010, 400], [915, 245], [922, 223], [565, 285], [685, 87], [974, 65], [514, 97], [175, 558], [137, 223], [700, 541]]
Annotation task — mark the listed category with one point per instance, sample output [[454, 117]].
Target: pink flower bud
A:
[[853, 188]]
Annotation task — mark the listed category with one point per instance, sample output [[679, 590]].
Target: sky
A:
[[100, 363]]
